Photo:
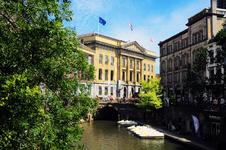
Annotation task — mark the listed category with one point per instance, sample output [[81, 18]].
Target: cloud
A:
[[159, 27], [149, 19]]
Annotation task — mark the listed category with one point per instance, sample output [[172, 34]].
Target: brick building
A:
[[178, 52]]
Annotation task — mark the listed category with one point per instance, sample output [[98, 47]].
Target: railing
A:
[[203, 105], [169, 69], [177, 68], [185, 66]]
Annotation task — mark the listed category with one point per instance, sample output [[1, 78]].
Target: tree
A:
[[148, 96], [195, 78], [35, 48], [220, 38]]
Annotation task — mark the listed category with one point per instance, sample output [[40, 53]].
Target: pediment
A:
[[134, 46]]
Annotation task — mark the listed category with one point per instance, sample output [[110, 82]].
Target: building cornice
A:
[[120, 47], [175, 36], [203, 16]]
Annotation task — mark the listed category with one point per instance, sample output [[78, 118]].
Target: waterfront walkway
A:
[[187, 140]]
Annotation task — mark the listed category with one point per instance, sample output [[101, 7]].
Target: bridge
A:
[[116, 111]]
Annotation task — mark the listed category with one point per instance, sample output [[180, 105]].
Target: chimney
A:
[[214, 17]]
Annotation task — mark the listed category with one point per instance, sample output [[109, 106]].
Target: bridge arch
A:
[[107, 113]]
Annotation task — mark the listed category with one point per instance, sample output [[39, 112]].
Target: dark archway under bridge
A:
[[117, 111]]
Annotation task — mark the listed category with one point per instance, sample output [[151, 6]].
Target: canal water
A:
[[106, 135]]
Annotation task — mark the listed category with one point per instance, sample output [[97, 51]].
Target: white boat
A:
[[145, 132]]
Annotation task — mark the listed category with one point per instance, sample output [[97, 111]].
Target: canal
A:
[[106, 135]]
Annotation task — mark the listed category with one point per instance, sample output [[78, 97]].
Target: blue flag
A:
[[102, 21]]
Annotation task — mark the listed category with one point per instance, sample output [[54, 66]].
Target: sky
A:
[[158, 19]]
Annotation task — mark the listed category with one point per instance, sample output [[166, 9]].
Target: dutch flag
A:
[[131, 27]]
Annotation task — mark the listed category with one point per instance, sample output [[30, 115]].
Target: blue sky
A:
[[159, 19]]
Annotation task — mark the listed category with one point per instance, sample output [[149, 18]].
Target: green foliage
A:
[[148, 97], [195, 78], [220, 38], [35, 48]]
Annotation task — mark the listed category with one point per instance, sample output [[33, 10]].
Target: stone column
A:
[[141, 70]]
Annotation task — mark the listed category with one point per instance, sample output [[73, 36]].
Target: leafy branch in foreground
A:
[[36, 49]]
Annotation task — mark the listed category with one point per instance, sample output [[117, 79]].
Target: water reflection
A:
[[106, 135]]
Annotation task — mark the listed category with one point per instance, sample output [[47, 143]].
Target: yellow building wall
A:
[[103, 66], [146, 72]]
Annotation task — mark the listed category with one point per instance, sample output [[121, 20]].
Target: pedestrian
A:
[[124, 99], [167, 101], [222, 101], [215, 101]]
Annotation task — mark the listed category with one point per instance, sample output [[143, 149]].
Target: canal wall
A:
[[208, 120]]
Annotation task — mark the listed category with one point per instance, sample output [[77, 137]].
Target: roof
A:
[[124, 46], [101, 35]]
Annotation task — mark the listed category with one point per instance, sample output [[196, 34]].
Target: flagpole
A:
[[150, 45], [98, 25], [129, 34]]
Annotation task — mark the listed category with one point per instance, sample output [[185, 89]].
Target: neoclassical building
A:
[[119, 65], [178, 52]]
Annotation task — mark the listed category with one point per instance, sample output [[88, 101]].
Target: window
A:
[[211, 57], [112, 60], [148, 67], [106, 90], [137, 64], [137, 77], [100, 90], [112, 74], [151, 68], [106, 74], [131, 76], [106, 60], [144, 66], [123, 62], [130, 64], [89, 60], [218, 55], [145, 77], [148, 78], [176, 46], [111, 91], [152, 77], [123, 75], [100, 74], [169, 49], [100, 58], [211, 74]]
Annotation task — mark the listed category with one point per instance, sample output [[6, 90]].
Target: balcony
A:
[[169, 69], [185, 66], [177, 68], [162, 71]]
